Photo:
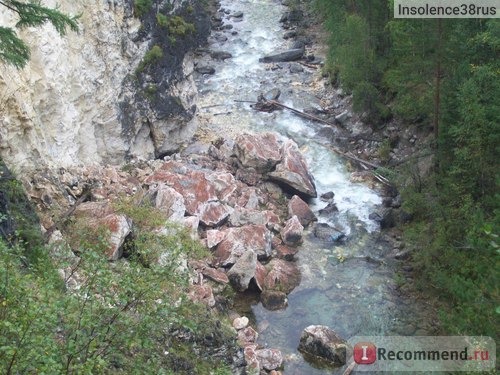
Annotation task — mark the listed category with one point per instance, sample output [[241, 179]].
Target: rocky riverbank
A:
[[243, 195], [241, 198]]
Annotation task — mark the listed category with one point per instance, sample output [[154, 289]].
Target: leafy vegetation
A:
[[153, 55], [176, 26], [141, 7], [442, 75], [13, 50], [130, 316]]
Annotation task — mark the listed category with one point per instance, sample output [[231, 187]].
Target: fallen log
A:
[[364, 163], [302, 114]]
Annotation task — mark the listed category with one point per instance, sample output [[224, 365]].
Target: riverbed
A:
[[351, 286]]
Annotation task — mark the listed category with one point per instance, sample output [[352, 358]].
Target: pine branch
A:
[[34, 14], [12, 49]]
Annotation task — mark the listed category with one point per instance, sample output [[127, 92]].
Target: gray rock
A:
[[342, 117], [296, 68], [329, 210], [272, 94], [220, 55], [290, 55], [237, 15], [298, 44], [323, 343], [328, 196], [243, 271], [205, 69], [290, 34], [325, 232]]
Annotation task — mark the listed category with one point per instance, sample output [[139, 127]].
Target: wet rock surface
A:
[[324, 344]]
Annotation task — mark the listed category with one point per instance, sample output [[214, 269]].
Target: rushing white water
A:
[[243, 78], [353, 297]]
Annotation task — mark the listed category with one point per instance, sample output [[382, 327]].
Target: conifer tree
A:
[[13, 50]]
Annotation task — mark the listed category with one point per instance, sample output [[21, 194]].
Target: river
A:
[[352, 287]]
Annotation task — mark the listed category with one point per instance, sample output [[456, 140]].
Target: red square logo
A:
[[365, 353]]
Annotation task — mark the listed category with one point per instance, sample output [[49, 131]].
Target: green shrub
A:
[[178, 26], [120, 317], [141, 7], [162, 20], [152, 56]]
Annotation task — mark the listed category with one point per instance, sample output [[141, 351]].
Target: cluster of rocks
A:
[[256, 357], [242, 198], [233, 196]]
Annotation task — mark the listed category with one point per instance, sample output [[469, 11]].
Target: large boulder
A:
[[256, 238], [269, 359], [282, 276], [243, 271], [298, 207], [168, 201], [290, 55], [220, 55], [197, 186], [259, 151], [323, 343], [293, 171], [292, 232], [213, 214]]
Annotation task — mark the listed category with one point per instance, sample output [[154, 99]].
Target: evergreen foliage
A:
[[441, 74], [14, 50], [141, 7], [153, 55]]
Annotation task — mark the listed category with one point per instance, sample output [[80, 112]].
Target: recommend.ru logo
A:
[[422, 353]]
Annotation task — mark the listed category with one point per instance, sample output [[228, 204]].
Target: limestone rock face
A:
[[65, 108]]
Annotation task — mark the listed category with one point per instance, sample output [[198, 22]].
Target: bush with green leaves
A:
[[141, 7], [153, 55], [104, 316]]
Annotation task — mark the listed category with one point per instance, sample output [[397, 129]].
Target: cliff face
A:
[[79, 100]]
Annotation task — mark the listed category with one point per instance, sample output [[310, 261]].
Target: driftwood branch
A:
[[300, 113], [354, 158], [308, 65], [364, 163]]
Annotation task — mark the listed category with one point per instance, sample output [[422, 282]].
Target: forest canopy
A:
[[441, 76]]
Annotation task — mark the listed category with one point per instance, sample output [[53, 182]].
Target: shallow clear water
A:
[[340, 287]]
